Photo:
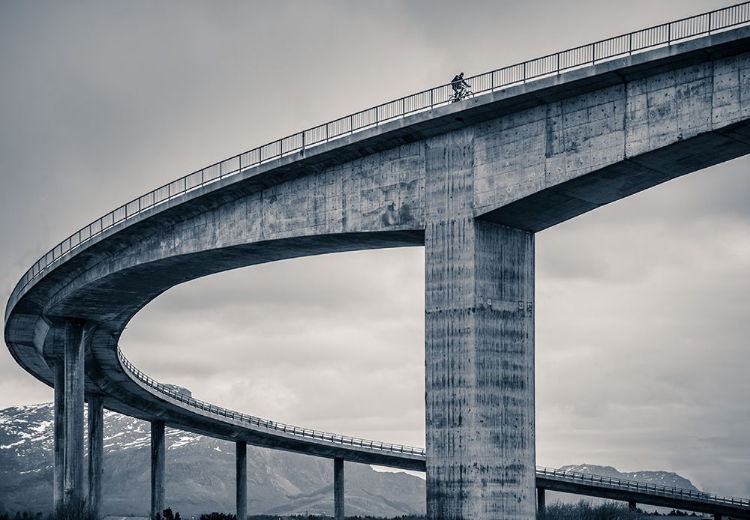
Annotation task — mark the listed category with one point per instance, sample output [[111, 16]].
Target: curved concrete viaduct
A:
[[472, 181]]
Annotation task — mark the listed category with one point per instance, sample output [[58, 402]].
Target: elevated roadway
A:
[[411, 458], [472, 181]]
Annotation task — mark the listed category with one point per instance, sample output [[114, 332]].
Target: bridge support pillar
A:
[[241, 480], [59, 454], [96, 451], [632, 505], [540, 503], [717, 516], [69, 431], [338, 489], [479, 349], [158, 448]]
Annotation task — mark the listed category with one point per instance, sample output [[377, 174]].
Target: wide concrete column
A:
[[479, 349], [241, 480], [338, 489], [158, 451], [69, 431], [96, 452]]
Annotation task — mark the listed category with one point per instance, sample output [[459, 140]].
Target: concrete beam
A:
[[241, 480], [479, 349], [96, 452], [158, 450], [338, 489]]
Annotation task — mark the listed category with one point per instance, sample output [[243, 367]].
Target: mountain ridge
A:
[[200, 473]]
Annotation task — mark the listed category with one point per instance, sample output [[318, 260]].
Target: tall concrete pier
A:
[[338, 489], [96, 452], [69, 431], [241, 479], [158, 454], [479, 375]]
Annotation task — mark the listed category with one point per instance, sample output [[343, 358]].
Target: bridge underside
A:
[[556, 204]]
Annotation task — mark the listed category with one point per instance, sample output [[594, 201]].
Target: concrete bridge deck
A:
[[471, 181]]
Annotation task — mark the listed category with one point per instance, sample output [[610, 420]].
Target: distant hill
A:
[[660, 478], [199, 473]]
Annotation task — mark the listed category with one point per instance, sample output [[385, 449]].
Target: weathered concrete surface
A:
[[96, 452], [541, 166], [479, 375], [338, 489], [241, 479], [158, 454], [533, 156]]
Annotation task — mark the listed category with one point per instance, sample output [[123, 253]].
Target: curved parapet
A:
[[257, 430]]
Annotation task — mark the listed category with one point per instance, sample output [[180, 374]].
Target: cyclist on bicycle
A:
[[459, 85]]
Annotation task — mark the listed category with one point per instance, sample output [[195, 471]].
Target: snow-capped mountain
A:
[[659, 478], [199, 473]]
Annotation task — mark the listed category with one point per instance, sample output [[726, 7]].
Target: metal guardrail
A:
[[634, 485], [552, 64], [264, 423]]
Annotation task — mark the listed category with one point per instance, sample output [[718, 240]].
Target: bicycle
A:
[[460, 94]]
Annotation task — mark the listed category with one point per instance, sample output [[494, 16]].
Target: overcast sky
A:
[[643, 308]]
